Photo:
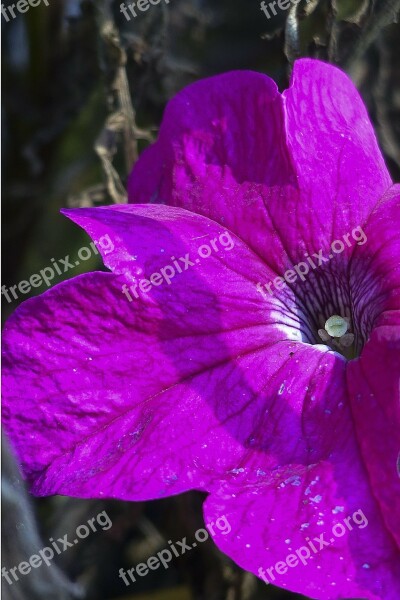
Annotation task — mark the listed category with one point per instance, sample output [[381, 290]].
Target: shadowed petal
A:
[[155, 396], [221, 152]]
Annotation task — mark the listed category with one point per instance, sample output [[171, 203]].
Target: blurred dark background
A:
[[83, 94]]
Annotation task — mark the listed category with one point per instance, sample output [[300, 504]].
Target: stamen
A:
[[346, 340], [325, 337]]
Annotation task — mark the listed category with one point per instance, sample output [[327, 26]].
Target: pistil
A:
[[336, 335]]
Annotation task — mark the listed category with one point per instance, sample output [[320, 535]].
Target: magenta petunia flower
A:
[[246, 342]]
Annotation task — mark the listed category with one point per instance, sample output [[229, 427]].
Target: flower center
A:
[[336, 335], [338, 304]]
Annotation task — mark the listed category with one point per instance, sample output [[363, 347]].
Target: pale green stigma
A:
[[337, 335], [336, 326]]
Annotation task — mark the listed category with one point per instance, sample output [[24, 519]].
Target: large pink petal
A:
[[331, 141], [288, 512], [148, 398], [221, 153], [288, 174], [374, 379]]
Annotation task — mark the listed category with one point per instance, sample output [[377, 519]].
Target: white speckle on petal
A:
[[316, 499], [294, 480]]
